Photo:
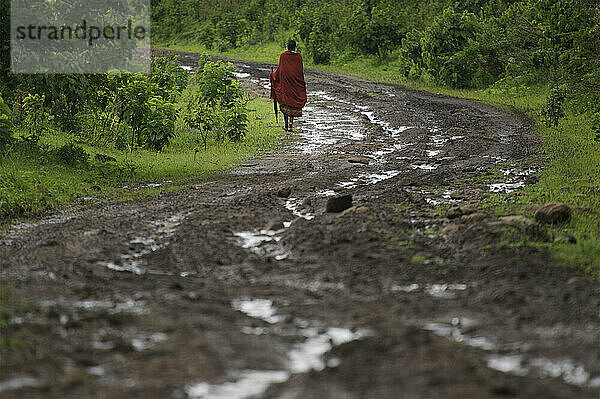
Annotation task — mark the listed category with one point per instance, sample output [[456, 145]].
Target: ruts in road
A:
[[244, 286]]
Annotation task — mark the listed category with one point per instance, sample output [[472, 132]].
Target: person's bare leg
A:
[[285, 117]]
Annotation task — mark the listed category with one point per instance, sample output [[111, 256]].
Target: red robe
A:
[[287, 82]]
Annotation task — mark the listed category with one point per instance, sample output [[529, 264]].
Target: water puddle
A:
[[132, 261], [325, 127], [147, 185], [143, 342], [296, 206], [263, 244], [567, 370], [301, 358], [443, 291], [369, 178], [510, 364], [308, 355], [503, 360], [515, 181], [15, 383], [453, 332], [326, 193], [247, 384], [241, 75], [21, 227], [129, 306], [425, 167], [506, 187], [96, 371], [256, 308]]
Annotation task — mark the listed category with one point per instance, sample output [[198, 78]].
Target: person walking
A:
[[288, 87]]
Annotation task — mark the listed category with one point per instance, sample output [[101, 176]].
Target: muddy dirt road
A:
[[244, 287]]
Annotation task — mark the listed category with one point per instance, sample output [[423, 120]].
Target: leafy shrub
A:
[[158, 124], [213, 103], [132, 102], [237, 123], [216, 83], [317, 43], [34, 115], [168, 76], [374, 30], [206, 35], [199, 118], [71, 154], [5, 125], [553, 110], [442, 41], [229, 30], [411, 59], [596, 126]]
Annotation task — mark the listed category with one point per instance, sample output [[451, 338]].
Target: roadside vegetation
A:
[[77, 137], [538, 57]]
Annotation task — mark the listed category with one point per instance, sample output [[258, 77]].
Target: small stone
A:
[[474, 217], [354, 209], [306, 203], [553, 212], [451, 229], [339, 204], [284, 192], [361, 160], [349, 210], [458, 211], [517, 219], [573, 280], [275, 225]]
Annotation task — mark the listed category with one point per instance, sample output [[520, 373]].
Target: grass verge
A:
[[33, 178], [571, 157]]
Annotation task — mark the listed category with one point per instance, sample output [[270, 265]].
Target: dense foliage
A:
[[124, 110], [503, 44]]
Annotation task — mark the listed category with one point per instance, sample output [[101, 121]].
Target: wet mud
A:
[[245, 287]]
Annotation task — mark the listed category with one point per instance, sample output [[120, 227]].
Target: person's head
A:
[[291, 45]]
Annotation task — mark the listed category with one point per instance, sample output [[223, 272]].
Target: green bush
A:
[[411, 58], [168, 76], [5, 126], [34, 115], [230, 30], [71, 154], [216, 83], [158, 124], [374, 30], [553, 110], [442, 43], [317, 43], [213, 103], [237, 123]]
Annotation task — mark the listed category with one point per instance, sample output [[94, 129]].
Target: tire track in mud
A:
[[246, 287]]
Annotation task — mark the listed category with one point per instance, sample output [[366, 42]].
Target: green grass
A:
[[32, 179], [570, 155]]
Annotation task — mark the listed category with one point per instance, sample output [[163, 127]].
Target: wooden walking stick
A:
[[274, 101]]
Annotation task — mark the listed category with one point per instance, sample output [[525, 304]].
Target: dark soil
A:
[[142, 299]]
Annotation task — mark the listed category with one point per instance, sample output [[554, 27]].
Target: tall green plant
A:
[[5, 125]]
